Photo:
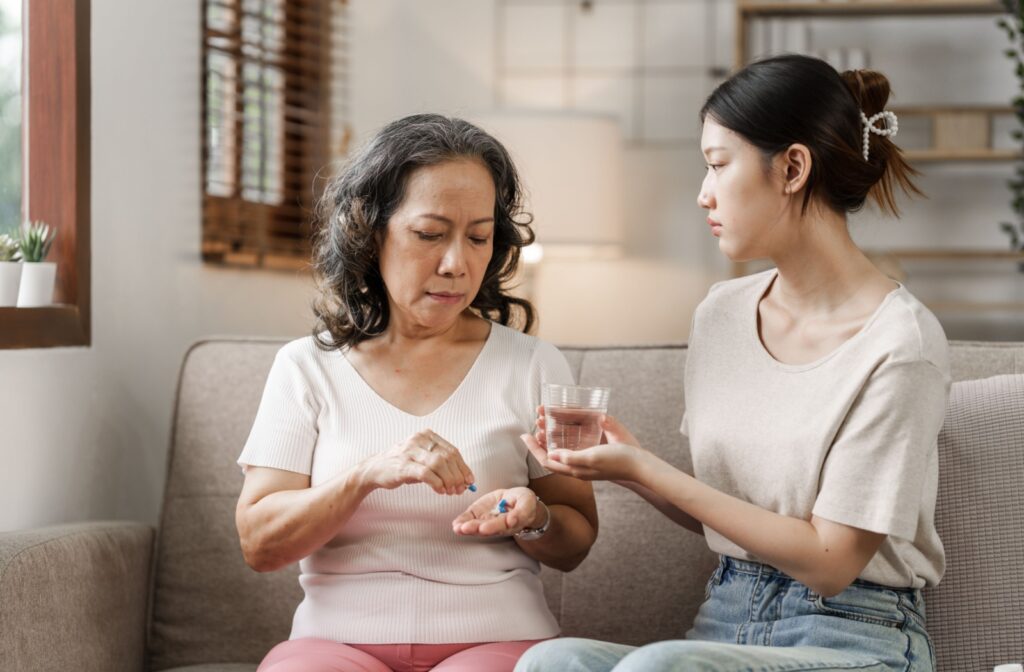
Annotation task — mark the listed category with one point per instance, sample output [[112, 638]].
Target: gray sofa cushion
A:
[[73, 597], [209, 607], [976, 613]]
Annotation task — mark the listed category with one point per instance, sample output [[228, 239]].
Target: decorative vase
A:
[[10, 280], [37, 280]]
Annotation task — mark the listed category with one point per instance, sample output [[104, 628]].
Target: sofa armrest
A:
[[74, 597]]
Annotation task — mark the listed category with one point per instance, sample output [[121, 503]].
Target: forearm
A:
[[286, 526], [567, 541], [670, 510], [789, 544]]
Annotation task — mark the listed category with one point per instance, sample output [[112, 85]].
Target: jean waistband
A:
[[728, 563]]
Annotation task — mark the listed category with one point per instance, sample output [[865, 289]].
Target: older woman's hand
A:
[[483, 519], [424, 457]]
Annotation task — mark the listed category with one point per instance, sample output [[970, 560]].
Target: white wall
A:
[[438, 56], [85, 430]]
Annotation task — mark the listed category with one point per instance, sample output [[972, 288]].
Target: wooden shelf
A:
[[748, 10], [867, 8], [972, 307], [948, 254], [935, 155], [740, 268], [928, 110], [48, 327]]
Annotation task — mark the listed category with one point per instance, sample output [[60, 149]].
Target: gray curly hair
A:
[[353, 213]]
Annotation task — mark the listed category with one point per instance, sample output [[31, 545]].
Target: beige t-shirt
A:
[[851, 438]]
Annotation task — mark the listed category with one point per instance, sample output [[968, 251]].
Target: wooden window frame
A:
[[240, 232], [56, 147]]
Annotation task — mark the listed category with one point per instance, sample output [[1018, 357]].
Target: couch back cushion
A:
[[976, 613], [208, 606], [644, 578]]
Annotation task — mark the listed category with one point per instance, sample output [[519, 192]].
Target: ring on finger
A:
[[430, 446]]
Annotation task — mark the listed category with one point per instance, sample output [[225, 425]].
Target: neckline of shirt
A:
[[799, 368], [444, 404]]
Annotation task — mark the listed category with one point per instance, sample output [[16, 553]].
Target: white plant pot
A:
[[37, 279], [10, 280]]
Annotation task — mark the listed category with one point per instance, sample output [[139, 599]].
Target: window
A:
[[270, 73], [10, 113], [54, 171]]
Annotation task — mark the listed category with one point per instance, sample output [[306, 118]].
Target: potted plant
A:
[[10, 270], [37, 275], [1013, 26]]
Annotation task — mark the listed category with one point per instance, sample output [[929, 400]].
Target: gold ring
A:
[[430, 446]]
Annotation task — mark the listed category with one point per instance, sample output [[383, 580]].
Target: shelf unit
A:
[[749, 11]]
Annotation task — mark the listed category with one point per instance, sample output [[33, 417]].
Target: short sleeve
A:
[[684, 425], [284, 433], [548, 365], [875, 472]]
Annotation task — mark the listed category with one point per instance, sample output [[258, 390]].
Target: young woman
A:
[[815, 393]]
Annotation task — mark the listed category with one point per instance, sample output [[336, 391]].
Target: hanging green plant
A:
[[1013, 26]]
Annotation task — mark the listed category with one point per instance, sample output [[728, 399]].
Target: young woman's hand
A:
[[424, 457], [617, 458], [483, 518]]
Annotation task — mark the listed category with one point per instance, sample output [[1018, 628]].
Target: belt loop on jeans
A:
[[723, 565]]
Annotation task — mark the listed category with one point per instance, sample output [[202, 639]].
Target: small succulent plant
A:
[[9, 248], [35, 240]]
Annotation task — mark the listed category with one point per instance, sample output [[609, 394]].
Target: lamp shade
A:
[[571, 165]]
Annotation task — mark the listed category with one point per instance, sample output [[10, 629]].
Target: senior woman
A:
[[377, 435]]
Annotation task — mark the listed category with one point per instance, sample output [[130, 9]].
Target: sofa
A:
[[122, 595]]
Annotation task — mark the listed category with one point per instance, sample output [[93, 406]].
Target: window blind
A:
[[273, 87]]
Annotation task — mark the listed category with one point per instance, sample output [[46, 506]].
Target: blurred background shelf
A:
[[748, 10], [941, 133], [949, 254]]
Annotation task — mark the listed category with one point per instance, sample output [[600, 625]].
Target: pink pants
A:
[[322, 655]]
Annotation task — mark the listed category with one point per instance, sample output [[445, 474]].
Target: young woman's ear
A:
[[796, 168]]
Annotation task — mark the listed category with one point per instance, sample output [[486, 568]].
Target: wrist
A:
[[541, 517], [645, 466], [537, 528], [360, 481]]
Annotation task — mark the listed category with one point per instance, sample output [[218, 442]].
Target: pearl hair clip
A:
[[890, 129]]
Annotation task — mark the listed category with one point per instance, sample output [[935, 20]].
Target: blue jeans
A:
[[756, 618]]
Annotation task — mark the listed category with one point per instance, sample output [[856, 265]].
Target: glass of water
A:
[[573, 415]]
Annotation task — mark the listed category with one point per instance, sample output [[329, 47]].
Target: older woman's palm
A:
[[484, 519]]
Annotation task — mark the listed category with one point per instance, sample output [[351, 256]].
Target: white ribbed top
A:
[[396, 573]]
